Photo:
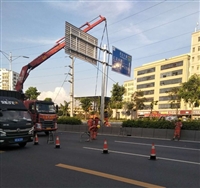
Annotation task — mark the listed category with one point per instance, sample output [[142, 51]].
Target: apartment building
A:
[[159, 77], [195, 54], [129, 86], [8, 79]]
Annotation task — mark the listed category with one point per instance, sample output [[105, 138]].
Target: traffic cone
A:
[[57, 142], [153, 152], [105, 147], [36, 140]]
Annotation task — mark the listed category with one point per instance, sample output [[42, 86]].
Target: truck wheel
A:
[[22, 144]]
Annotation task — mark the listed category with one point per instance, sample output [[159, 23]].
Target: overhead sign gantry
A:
[[80, 44]]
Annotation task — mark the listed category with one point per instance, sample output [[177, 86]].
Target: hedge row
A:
[[69, 120], [193, 125]]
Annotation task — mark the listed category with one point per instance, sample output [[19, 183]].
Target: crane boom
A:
[[60, 44]]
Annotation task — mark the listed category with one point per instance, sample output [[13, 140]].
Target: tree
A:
[[86, 105], [190, 92], [64, 108], [32, 93], [175, 98], [117, 97], [138, 100], [128, 106], [48, 99], [152, 104]]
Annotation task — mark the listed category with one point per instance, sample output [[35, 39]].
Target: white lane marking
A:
[[146, 156], [123, 142]]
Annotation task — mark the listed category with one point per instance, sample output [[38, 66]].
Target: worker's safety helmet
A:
[[98, 126]]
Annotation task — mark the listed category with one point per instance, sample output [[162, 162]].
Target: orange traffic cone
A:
[[57, 142], [153, 152], [105, 147], [36, 140]]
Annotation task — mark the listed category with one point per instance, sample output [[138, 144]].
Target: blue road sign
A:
[[121, 62]]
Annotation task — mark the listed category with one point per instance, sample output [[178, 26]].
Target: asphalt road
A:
[[83, 164]]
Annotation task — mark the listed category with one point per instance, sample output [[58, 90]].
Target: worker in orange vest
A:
[[177, 131], [93, 126], [96, 125], [106, 123]]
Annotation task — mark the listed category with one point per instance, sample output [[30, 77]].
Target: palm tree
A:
[[175, 98], [190, 92], [86, 105], [138, 100], [64, 108]]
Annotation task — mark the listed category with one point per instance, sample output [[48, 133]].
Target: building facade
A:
[[195, 54], [157, 78], [129, 87], [8, 79]]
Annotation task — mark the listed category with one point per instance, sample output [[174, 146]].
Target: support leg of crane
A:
[[50, 138]]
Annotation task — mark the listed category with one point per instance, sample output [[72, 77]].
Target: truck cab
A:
[[16, 126], [43, 114]]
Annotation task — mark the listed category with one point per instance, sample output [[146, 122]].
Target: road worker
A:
[[177, 131], [92, 126], [106, 123], [96, 123]]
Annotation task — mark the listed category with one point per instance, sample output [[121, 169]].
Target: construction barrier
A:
[[57, 142], [192, 135], [36, 141], [105, 147]]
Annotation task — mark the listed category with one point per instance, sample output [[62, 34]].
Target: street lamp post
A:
[[10, 58]]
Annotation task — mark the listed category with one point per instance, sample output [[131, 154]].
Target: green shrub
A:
[[69, 120], [191, 125], [160, 124]]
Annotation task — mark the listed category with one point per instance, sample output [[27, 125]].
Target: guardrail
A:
[[192, 135]]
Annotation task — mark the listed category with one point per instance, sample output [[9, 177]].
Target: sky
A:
[[147, 30]]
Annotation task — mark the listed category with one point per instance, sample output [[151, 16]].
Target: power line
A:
[[161, 53], [156, 27], [152, 17]]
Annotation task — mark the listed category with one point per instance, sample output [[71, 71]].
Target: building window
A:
[[193, 49], [198, 48], [145, 85], [172, 81], [171, 65], [171, 73], [168, 106], [198, 67], [192, 59], [198, 39], [146, 71], [198, 57], [152, 77], [148, 92], [166, 90]]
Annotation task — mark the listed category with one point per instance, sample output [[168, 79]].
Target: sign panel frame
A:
[[80, 44], [121, 62]]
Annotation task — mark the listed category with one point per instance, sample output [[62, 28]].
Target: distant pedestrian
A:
[[177, 131]]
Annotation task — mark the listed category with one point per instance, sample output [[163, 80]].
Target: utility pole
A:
[[72, 86], [103, 85], [9, 57]]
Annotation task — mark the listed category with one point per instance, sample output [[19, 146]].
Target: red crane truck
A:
[[44, 113]]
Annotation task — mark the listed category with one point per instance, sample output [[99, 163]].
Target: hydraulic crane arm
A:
[[60, 44]]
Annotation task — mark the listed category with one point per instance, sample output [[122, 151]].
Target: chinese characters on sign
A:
[[121, 62]]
